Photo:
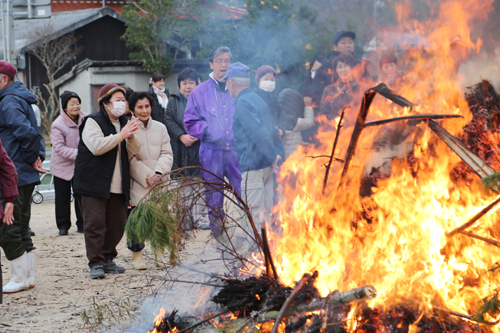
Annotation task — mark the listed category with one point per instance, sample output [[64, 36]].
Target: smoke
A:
[[187, 288], [485, 66]]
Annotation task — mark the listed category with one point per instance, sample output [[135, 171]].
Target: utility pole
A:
[[9, 40], [15, 10]]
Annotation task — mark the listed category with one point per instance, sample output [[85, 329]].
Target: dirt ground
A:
[[64, 290]]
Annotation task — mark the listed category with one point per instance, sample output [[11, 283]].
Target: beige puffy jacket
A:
[[155, 156]]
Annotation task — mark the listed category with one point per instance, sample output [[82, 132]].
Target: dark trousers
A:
[[63, 205], [132, 244], [16, 237], [104, 222]]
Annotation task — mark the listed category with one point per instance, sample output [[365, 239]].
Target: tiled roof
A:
[[230, 12], [72, 5]]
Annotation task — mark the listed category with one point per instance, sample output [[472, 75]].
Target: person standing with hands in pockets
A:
[[102, 178]]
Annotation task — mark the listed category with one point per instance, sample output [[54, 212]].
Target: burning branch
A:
[[474, 219], [339, 126], [267, 254], [306, 279]]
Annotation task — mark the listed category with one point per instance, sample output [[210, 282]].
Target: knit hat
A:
[[7, 69], [263, 70], [109, 90], [66, 96]]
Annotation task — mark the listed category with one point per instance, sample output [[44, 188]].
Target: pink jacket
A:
[[64, 137]]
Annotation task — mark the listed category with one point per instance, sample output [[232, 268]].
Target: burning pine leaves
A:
[[252, 305]]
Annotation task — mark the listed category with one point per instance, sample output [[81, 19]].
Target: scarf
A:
[[162, 97]]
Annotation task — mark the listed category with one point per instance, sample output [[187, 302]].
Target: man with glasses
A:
[[26, 147], [209, 118]]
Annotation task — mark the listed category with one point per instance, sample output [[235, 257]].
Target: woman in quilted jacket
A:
[[154, 159]]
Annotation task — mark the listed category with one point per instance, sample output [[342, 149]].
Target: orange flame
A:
[[395, 239]]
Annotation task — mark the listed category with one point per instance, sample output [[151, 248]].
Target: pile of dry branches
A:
[[482, 133]]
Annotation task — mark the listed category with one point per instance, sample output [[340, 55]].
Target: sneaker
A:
[[97, 272], [112, 268], [63, 232], [80, 230], [32, 233], [204, 225]]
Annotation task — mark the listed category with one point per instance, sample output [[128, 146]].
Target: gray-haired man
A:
[[209, 118]]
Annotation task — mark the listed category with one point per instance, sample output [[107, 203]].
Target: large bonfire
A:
[[387, 223], [395, 238]]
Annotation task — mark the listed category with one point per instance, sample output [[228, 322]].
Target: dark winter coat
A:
[[271, 101], [93, 174], [157, 111], [256, 138], [19, 133], [183, 156], [340, 95], [314, 87], [292, 108]]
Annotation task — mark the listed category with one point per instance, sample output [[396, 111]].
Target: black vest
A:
[[93, 174]]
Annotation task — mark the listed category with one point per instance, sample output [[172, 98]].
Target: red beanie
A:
[[263, 70], [7, 69], [109, 90]]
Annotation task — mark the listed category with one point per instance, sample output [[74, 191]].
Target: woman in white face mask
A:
[[101, 182], [265, 77]]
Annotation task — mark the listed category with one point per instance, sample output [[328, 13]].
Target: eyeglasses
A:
[[226, 62]]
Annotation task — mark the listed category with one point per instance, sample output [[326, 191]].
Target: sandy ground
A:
[[64, 290]]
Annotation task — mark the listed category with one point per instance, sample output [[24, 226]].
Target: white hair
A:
[[240, 81]]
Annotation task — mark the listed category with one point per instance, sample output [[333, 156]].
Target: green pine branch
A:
[[157, 219]]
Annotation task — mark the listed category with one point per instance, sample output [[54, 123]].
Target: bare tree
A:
[[54, 52]]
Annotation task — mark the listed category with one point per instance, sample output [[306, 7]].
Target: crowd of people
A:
[[113, 157]]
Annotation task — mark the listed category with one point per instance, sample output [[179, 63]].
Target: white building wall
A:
[[134, 77], [80, 85], [83, 83]]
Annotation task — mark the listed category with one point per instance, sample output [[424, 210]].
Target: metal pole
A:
[[8, 28], [3, 33], [30, 12]]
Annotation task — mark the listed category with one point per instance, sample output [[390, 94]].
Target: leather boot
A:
[[32, 268], [138, 261], [19, 269]]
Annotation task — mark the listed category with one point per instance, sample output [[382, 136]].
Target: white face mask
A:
[[118, 109], [313, 74], [267, 85]]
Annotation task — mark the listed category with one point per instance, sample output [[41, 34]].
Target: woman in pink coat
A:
[[65, 137]]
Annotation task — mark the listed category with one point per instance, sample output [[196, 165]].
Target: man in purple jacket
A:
[[209, 118]]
